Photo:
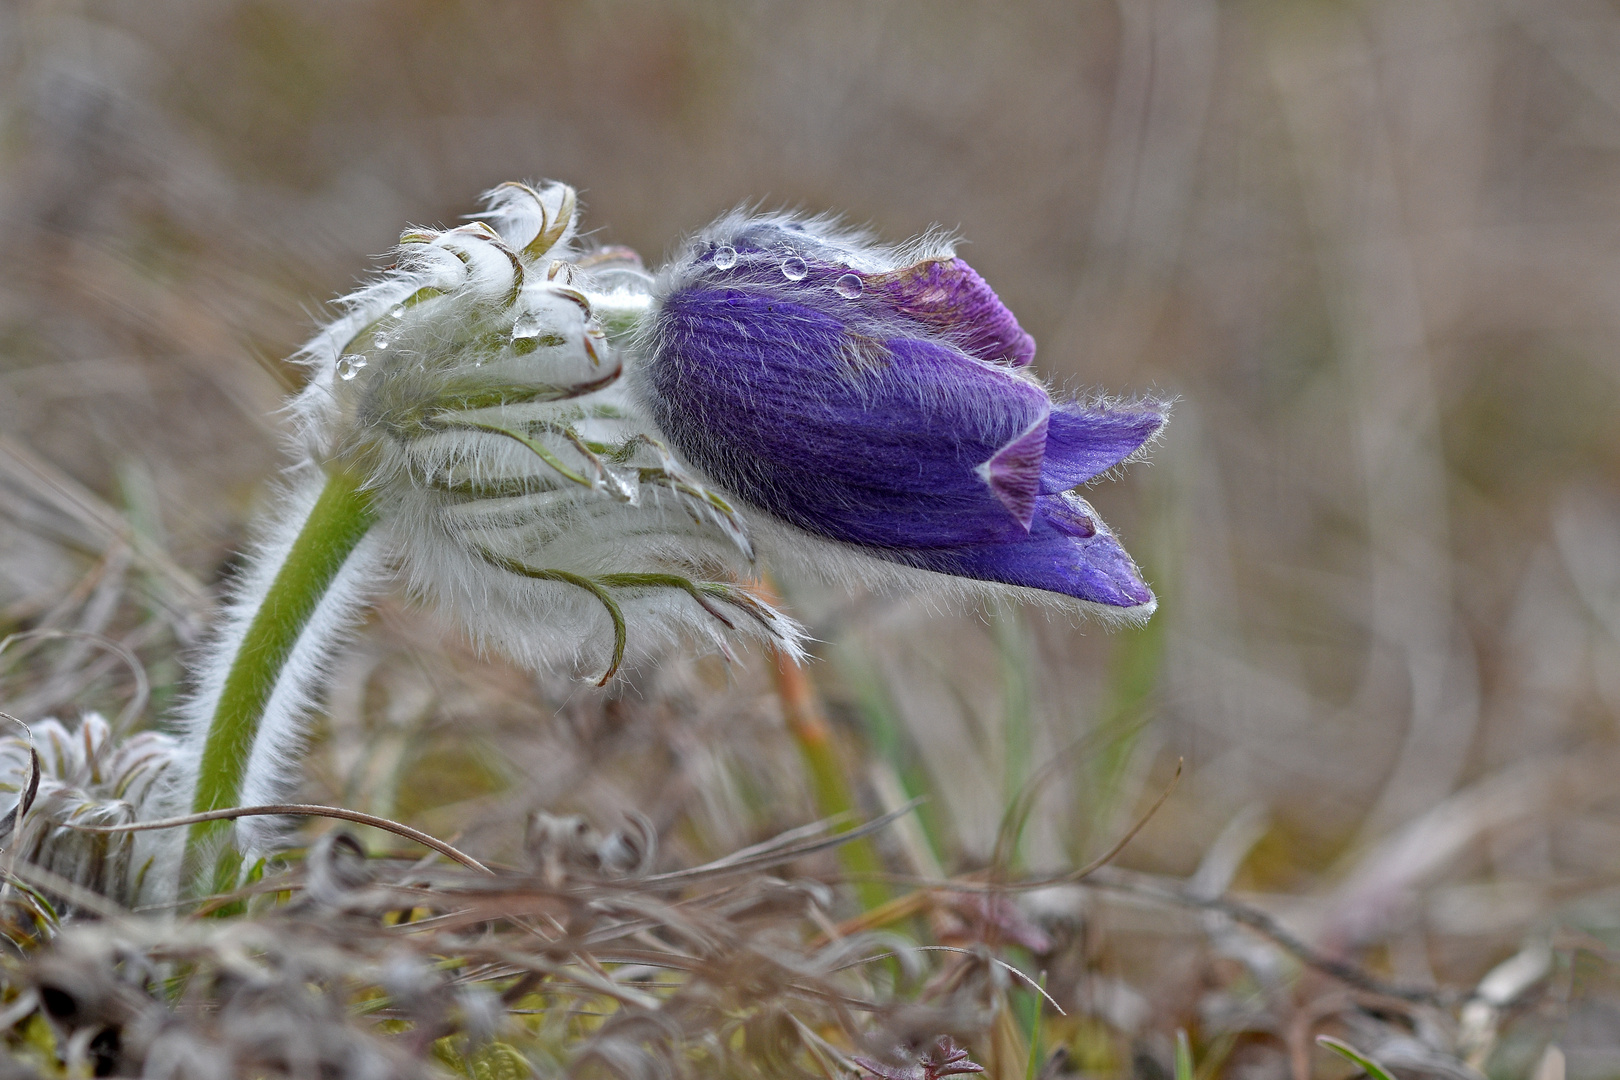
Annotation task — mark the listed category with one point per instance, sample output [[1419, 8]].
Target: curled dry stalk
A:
[[296, 810]]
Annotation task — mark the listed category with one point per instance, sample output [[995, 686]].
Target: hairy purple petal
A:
[[1085, 441], [942, 298], [1014, 473], [950, 298], [894, 415], [873, 442], [1067, 550]]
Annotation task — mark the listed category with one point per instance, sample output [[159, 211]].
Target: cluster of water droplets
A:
[[349, 365], [850, 286], [383, 336]]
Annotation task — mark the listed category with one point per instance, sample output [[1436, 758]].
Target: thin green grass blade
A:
[[1017, 733], [1119, 726], [1035, 1031], [1355, 1057], [886, 734], [1184, 1058]]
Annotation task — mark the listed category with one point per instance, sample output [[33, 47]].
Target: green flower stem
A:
[[829, 783], [339, 519]]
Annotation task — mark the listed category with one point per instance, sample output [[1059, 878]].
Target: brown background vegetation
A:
[[1373, 248]]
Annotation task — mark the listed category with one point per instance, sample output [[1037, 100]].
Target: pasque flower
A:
[[880, 399], [576, 458]]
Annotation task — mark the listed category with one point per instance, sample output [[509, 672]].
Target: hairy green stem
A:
[[336, 523]]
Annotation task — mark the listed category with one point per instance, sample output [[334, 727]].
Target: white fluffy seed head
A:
[[86, 777], [477, 390]]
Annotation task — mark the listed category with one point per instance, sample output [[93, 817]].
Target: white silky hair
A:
[[475, 392], [89, 776], [827, 235], [272, 766]]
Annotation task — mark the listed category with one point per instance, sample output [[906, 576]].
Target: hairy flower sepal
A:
[[504, 456]]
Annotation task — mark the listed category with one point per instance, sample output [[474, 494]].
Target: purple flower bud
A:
[[881, 397]]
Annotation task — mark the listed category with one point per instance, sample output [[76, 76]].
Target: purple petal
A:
[[1067, 551], [950, 298], [1014, 473], [1085, 441], [802, 403], [873, 442]]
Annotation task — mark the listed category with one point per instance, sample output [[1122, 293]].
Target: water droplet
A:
[[620, 488], [849, 286], [349, 366], [794, 269], [526, 334], [381, 340], [725, 257], [398, 312]]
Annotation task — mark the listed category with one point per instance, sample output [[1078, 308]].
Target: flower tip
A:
[[1133, 602]]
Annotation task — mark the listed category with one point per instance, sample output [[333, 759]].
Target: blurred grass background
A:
[[1373, 248]]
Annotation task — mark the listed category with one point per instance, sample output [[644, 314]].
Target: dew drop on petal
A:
[[725, 257], [794, 269], [620, 488], [527, 326], [381, 340], [398, 312], [349, 366], [849, 286]]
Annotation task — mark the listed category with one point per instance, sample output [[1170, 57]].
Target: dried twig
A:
[[296, 810], [1269, 928]]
